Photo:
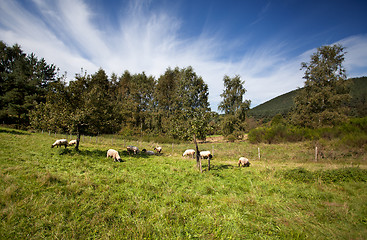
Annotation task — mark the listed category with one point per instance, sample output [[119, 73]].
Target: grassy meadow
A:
[[58, 193]]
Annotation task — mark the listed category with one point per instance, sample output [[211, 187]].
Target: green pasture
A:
[[58, 193]]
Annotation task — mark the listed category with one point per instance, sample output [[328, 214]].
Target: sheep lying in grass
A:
[[189, 152], [148, 152], [114, 154], [205, 154], [133, 149], [60, 142], [158, 149], [72, 142], [244, 162]]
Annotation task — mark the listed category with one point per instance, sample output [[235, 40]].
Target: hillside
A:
[[283, 103]]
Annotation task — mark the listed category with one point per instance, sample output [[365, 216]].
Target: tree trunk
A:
[[198, 160], [77, 139]]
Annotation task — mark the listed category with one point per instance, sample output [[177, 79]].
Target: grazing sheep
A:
[[72, 142], [148, 152], [189, 152], [114, 154], [205, 154], [60, 142], [158, 149], [133, 149], [244, 162]]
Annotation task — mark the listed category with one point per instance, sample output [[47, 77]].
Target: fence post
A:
[[258, 153], [316, 154]]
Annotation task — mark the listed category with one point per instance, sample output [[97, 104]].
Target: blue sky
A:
[[263, 41]]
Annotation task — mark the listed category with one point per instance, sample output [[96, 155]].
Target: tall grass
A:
[[67, 194]]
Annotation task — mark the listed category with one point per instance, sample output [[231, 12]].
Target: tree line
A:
[[34, 94]]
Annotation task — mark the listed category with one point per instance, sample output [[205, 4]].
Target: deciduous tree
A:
[[234, 106], [323, 99]]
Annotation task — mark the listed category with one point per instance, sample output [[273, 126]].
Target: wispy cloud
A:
[[69, 33]]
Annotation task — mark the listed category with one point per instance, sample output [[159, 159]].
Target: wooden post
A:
[[316, 154], [258, 153]]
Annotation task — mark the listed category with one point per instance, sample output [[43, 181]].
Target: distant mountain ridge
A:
[[284, 103]]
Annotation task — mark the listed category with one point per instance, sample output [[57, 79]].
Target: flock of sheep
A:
[[111, 153]]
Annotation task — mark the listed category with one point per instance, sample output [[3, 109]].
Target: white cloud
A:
[[68, 33], [356, 55]]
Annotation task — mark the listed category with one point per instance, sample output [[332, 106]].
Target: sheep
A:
[[133, 149], [114, 154], [244, 162], [205, 154], [189, 152], [60, 142], [158, 149], [148, 152], [72, 142]]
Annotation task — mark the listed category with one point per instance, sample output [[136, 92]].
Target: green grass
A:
[[65, 194]]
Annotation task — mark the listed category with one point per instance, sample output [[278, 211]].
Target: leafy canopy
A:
[[323, 100]]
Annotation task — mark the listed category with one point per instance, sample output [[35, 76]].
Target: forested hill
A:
[[283, 103]]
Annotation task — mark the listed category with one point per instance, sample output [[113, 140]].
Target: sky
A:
[[262, 41]]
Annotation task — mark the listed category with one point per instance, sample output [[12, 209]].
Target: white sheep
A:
[[72, 142], [158, 149], [60, 142], [205, 154], [244, 162], [133, 149], [114, 154], [189, 152]]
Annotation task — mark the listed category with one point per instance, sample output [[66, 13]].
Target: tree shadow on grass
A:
[[13, 131], [218, 167], [96, 153]]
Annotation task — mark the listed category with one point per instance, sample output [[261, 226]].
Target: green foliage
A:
[[352, 133], [234, 107], [24, 82], [283, 104], [358, 102], [322, 101]]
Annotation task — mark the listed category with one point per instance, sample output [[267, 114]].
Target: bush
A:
[[352, 133]]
